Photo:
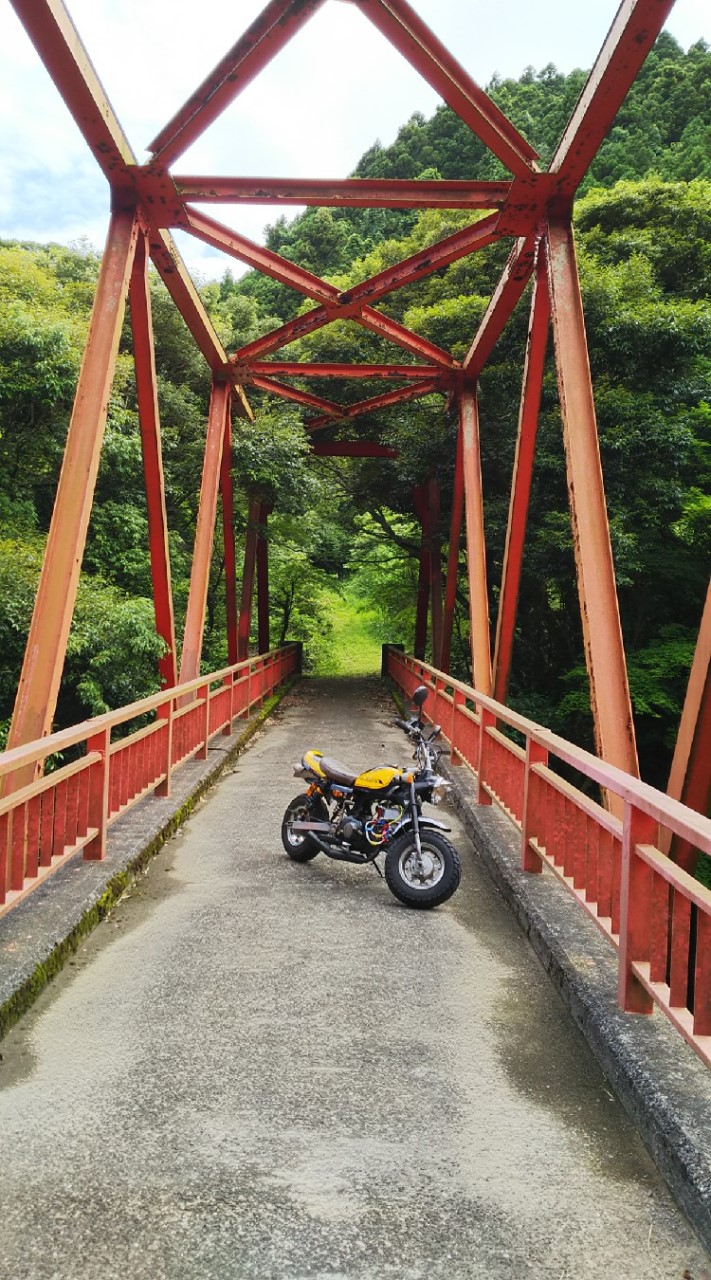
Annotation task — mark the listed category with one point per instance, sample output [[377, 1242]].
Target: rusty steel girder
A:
[[149, 421], [148, 200], [354, 193]]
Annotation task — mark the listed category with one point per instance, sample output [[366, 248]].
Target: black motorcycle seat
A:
[[338, 772]]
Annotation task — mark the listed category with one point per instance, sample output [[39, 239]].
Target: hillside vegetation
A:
[[342, 529]]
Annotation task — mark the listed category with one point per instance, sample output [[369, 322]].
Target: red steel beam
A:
[[263, 580], [228, 540], [414, 40], [352, 449], [423, 577], [602, 632], [435, 557], [254, 255], [690, 776], [57, 41], [287, 333], [368, 317], [269, 33], [397, 396], [358, 193], [149, 420], [276, 388], [295, 369], [420, 264], [476, 541], [396, 333], [455, 535], [204, 532], [424, 263], [632, 34], [522, 476], [56, 594], [250, 556], [174, 274], [507, 293]]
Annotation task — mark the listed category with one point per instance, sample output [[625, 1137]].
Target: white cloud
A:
[[334, 89]]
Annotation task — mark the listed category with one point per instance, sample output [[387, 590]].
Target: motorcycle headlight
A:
[[439, 790]]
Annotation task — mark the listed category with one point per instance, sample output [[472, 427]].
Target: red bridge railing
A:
[[57, 815], [655, 913]]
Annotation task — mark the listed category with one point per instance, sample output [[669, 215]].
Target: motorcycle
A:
[[353, 817]]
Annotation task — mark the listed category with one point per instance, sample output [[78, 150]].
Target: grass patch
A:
[[354, 647]]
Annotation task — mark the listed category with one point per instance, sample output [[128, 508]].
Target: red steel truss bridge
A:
[[637, 849]]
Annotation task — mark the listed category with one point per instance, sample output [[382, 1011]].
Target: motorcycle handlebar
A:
[[401, 725]]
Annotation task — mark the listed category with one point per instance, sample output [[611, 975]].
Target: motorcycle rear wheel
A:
[[429, 884], [303, 808]]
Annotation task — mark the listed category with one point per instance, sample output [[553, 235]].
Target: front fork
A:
[[416, 824]]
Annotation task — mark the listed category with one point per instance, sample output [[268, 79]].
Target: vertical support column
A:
[[690, 775], [423, 581], [204, 532], [602, 632], [455, 534], [56, 594], [435, 553], [263, 579], [522, 475], [147, 393], [476, 545], [250, 555], [228, 537]]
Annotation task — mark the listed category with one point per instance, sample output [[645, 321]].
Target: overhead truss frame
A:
[[531, 208]]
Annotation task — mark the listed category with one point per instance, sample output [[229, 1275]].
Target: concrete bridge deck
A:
[[263, 1070]]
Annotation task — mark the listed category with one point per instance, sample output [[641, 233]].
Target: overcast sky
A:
[[312, 113]]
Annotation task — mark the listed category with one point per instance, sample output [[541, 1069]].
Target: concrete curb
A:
[[43, 932], [661, 1083]]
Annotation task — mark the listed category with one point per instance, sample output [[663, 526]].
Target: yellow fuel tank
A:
[[378, 779]]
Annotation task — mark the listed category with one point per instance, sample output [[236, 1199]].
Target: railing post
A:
[[458, 700], [535, 754], [229, 682], [487, 720], [5, 835], [204, 692], [246, 676], [165, 712], [18, 847], [95, 850], [636, 884], [387, 651]]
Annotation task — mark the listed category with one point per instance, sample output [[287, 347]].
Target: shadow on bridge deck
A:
[[260, 1069]]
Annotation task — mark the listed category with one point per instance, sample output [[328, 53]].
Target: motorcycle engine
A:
[[348, 828]]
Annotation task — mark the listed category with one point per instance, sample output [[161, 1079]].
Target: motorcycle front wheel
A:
[[301, 848], [422, 881]]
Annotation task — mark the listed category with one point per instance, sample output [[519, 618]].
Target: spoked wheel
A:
[[422, 880], [300, 847]]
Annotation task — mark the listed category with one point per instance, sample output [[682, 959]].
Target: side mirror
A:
[[420, 695]]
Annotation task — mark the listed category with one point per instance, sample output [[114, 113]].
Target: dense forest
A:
[[643, 231]]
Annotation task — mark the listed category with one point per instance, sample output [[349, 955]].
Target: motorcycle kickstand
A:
[[373, 863]]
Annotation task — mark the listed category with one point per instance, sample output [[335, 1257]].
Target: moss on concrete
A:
[[26, 994]]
